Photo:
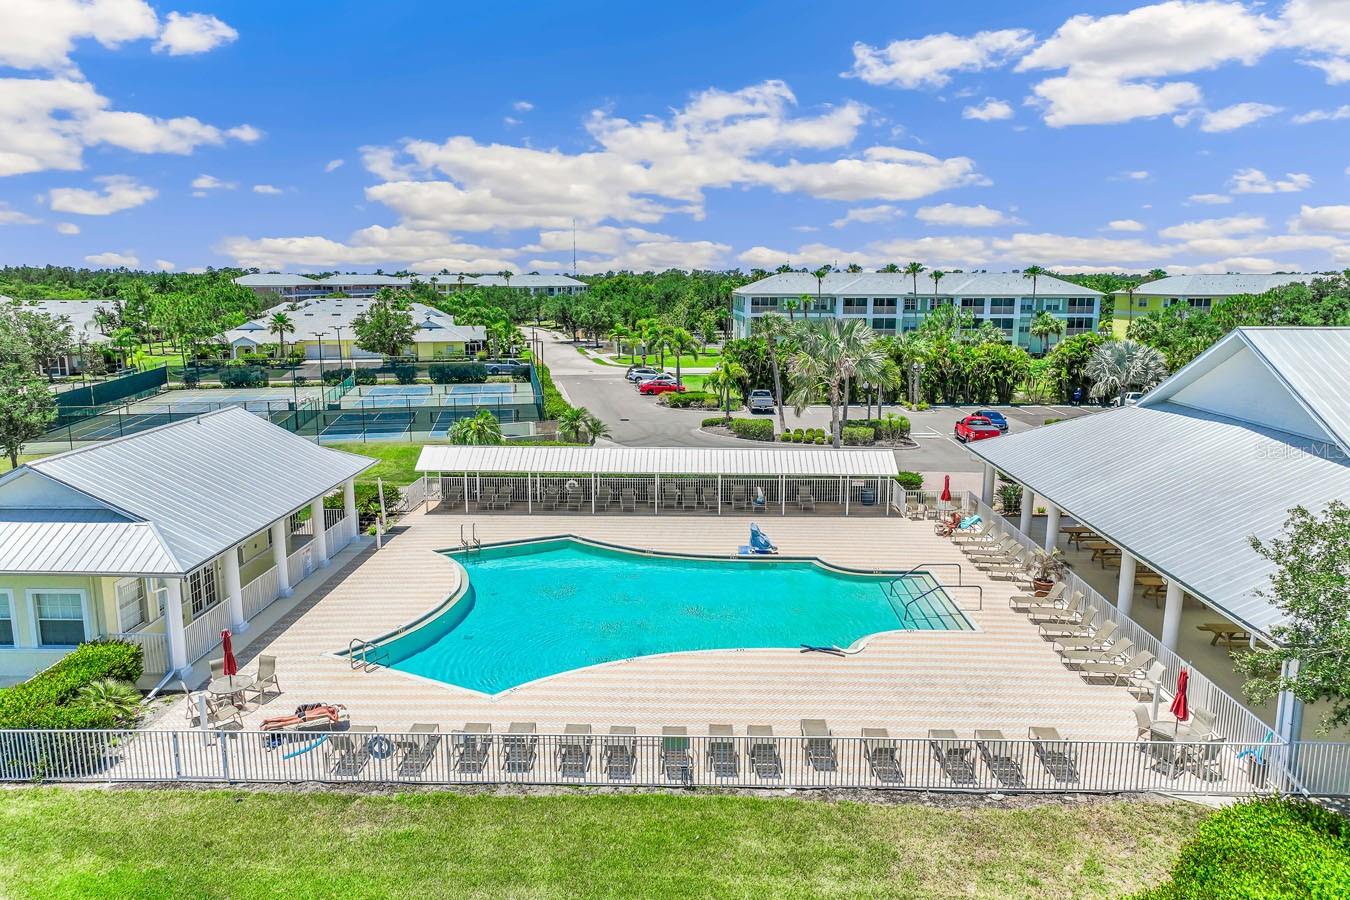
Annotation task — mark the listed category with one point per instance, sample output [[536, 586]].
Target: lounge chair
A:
[[472, 746], [689, 499], [1116, 651], [1118, 670], [806, 501], [1077, 626], [485, 498], [1023, 602], [519, 744], [574, 751], [267, 674], [953, 755], [1069, 612], [676, 762], [881, 756], [628, 501], [604, 497], [819, 745], [915, 510], [984, 534], [503, 500], [1055, 754], [550, 499], [576, 500], [1101, 636], [764, 758], [419, 749], [349, 750], [1142, 683], [1013, 569], [995, 750], [721, 757], [670, 496], [739, 498], [620, 752], [997, 549]]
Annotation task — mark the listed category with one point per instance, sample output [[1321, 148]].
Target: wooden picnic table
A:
[[1228, 634], [1076, 533], [1100, 549]]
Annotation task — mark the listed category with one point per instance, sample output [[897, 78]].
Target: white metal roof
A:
[[200, 485], [86, 541], [315, 320], [896, 284], [1217, 285], [657, 461], [530, 281], [80, 313], [273, 279]]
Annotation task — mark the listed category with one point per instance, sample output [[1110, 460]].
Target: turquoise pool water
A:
[[543, 607]]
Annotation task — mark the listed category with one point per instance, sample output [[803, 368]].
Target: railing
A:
[[332, 516], [259, 593], [339, 534], [155, 647], [413, 495], [1234, 720], [296, 567], [1006, 766], [202, 634]]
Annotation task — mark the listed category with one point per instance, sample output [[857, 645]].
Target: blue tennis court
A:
[[105, 427], [367, 426]]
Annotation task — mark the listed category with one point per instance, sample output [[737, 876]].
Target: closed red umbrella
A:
[[946, 489], [231, 664], [1180, 708]]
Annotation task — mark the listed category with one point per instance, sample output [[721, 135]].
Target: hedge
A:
[[714, 420], [1270, 848], [44, 701], [858, 435], [461, 373], [910, 481], [753, 429], [554, 404], [700, 399], [243, 378], [367, 500]]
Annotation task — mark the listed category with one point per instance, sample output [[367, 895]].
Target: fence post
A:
[[177, 757], [224, 755]]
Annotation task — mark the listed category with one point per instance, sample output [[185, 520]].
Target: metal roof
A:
[[202, 484], [315, 320], [94, 542], [79, 312], [1217, 285], [273, 279], [523, 281], [1315, 363], [897, 284], [657, 461]]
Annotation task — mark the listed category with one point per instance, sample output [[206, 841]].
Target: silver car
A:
[[760, 401]]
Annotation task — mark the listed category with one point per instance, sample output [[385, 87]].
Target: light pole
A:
[[338, 329], [867, 392], [915, 370]]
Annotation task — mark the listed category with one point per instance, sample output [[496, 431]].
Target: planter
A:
[[1042, 586]]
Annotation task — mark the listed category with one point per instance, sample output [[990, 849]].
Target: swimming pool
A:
[[537, 608]]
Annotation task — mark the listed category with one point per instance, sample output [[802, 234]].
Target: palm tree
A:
[[480, 430], [773, 327], [1044, 325], [126, 341], [680, 342], [619, 333], [820, 281], [1156, 274], [913, 270], [724, 378], [831, 355], [595, 428], [792, 304], [937, 275], [889, 268], [1118, 366], [1033, 272], [572, 424], [506, 276], [281, 325], [853, 268]]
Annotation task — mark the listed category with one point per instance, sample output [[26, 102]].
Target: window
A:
[[1200, 302], [1078, 324], [911, 304], [883, 305], [201, 586], [855, 306], [763, 304], [132, 611], [1054, 305], [6, 619], [1002, 306], [1081, 304], [59, 616], [973, 303], [884, 324], [1005, 324]]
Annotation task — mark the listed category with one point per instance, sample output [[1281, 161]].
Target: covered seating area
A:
[[664, 481]]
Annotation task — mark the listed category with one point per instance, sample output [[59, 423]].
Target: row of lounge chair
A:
[[1094, 648]]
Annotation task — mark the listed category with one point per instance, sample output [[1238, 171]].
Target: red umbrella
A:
[[946, 489], [1180, 709], [231, 664]]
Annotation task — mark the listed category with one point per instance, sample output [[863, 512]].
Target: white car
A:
[[760, 401], [642, 373], [1130, 399]]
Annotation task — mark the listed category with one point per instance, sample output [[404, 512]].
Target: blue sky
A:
[[1193, 136]]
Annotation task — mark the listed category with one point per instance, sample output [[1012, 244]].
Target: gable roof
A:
[[1229, 285], [896, 284], [315, 320], [656, 461]]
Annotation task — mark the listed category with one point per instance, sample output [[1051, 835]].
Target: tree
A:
[[1116, 367], [853, 268], [1311, 586], [479, 430], [937, 275], [281, 325], [680, 342], [774, 327], [792, 304], [820, 283], [385, 326], [1044, 324], [1033, 272], [578, 424], [27, 407], [125, 341], [831, 354], [724, 379], [914, 270], [889, 268]]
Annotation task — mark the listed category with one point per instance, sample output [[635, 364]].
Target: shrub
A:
[[1052, 421], [857, 436], [785, 437], [753, 429], [49, 699], [367, 500], [820, 439], [1010, 495], [366, 376], [714, 420], [797, 434], [405, 374], [244, 377], [1269, 848], [333, 376], [921, 405], [299, 380], [191, 379], [893, 427], [554, 404], [700, 399], [910, 481]]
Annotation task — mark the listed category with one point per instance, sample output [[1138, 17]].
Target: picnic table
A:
[[1100, 549], [1228, 634], [1076, 533]]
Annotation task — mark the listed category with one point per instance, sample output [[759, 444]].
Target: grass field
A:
[[70, 843], [23, 458]]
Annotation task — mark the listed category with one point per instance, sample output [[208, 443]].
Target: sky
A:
[[308, 135]]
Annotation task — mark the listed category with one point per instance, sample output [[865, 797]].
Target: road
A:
[[637, 421]]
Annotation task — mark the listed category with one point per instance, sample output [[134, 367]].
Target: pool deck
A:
[[1000, 676]]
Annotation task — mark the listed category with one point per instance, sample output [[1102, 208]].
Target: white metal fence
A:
[[259, 593], [341, 532], [154, 646], [1016, 765], [202, 634]]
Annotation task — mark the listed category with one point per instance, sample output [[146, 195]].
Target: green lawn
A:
[[697, 360], [396, 461], [23, 458], [77, 843]]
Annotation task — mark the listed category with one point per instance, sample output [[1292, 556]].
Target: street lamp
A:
[[338, 329], [867, 392]]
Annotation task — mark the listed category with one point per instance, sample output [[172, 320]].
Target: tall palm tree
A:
[[595, 429], [1156, 274], [820, 282], [1116, 367], [863, 360], [1044, 326], [830, 355], [1033, 272], [680, 341], [937, 275], [792, 304], [506, 276], [724, 379], [913, 270], [281, 325], [774, 327]]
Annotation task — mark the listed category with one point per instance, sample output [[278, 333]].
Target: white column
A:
[[987, 493], [1171, 624], [279, 532], [349, 500], [1125, 587], [320, 543], [1028, 506], [1288, 708], [234, 591], [1051, 526], [174, 631]]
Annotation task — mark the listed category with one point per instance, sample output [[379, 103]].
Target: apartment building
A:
[[1199, 292]]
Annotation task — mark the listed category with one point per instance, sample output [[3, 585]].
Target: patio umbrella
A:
[[1180, 708], [945, 499], [227, 648]]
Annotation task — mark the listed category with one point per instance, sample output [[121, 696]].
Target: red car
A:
[[975, 428], [661, 386]]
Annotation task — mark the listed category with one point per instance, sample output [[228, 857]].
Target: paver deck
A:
[[1000, 676]]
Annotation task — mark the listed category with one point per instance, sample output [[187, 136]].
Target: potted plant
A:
[[1045, 570]]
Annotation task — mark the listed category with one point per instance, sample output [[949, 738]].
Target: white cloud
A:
[[510, 120], [203, 183], [989, 111], [193, 33], [1134, 175], [333, 165], [1095, 100], [1125, 225], [67, 228], [1061, 250], [1254, 264], [1209, 199], [164, 265], [1229, 118], [421, 249], [883, 212], [266, 189], [1254, 181], [929, 61], [964, 216], [1211, 228], [118, 192], [40, 34], [113, 260], [1336, 69], [1320, 26], [10, 216], [805, 229], [1322, 115], [522, 106], [1323, 218]]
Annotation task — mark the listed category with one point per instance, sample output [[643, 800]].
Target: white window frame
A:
[[145, 604], [33, 631], [13, 617]]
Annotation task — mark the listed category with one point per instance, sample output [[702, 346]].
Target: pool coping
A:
[[449, 602]]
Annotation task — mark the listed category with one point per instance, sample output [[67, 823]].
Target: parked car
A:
[[760, 401], [994, 416], [1130, 399], [660, 386], [641, 373], [663, 377], [975, 428], [507, 367]]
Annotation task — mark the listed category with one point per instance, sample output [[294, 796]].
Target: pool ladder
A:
[[470, 542], [365, 655]]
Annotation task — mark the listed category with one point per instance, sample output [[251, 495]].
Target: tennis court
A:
[[197, 400], [391, 396], [385, 426]]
